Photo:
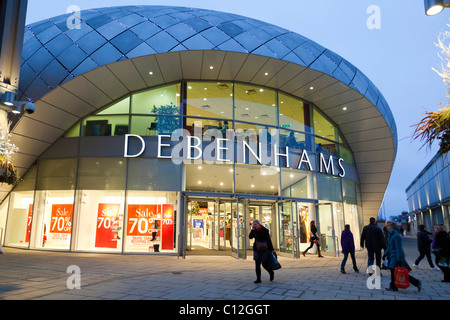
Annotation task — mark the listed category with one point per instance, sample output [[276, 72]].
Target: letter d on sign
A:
[[74, 281], [125, 152]]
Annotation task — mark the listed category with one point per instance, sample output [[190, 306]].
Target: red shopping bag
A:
[[401, 277]]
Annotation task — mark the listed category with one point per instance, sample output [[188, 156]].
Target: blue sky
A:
[[398, 57]]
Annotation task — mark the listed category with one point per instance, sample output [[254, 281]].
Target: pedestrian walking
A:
[[396, 257], [313, 239], [372, 239], [441, 249], [424, 247], [262, 250], [348, 247]]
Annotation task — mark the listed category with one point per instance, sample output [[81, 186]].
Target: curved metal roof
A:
[[70, 73]]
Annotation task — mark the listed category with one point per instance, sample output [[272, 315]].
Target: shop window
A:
[[323, 127], [99, 220], [154, 125], [161, 101], [52, 219], [53, 205], [293, 113], [255, 104], [150, 221], [20, 211], [209, 99], [99, 205], [19, 219]]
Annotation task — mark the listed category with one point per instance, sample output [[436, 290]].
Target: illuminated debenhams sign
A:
[[181, 147]]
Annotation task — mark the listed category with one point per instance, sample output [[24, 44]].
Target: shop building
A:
[[428, 195], [168, 130]]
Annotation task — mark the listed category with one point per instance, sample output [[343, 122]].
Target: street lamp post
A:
[[433, 7]]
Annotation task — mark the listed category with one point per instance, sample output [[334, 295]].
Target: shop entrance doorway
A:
[[218, 226]]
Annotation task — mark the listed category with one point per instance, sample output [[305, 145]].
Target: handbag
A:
[[401, 277], [261, 245]]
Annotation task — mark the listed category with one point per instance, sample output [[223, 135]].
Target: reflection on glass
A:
[[210, 99], [293, 115], [347, 155], [254, 133], [295, 140], [162, 100], [255, 104], [326, 147], [208, 127], [154, 125], [323, 127]]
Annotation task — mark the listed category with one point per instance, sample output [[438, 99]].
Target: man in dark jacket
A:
[[372, 238], [424, 247]]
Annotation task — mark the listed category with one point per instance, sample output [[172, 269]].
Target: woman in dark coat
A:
[[348, 246], [396, 257], [261, 255], [313, 238]]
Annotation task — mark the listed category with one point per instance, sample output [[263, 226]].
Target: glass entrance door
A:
[[238, 229], [326, 228], [289, 228]]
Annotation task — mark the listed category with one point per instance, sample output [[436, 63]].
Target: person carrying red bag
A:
[[396, 258]]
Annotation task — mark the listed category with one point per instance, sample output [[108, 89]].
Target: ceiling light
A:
[[221, 183], [311, 88], [266, 74], [211, 67], [150, 73], [252, 186], [344, 108], [199, 182]]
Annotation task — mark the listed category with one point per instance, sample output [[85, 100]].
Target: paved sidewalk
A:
[[42, 275]]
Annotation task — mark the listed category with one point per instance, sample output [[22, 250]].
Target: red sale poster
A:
[[141, 219], [61, 219], [107, 225], [167, 227], [30, 213]]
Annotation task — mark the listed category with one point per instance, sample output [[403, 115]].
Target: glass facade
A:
[[101, 201], [428, 195]]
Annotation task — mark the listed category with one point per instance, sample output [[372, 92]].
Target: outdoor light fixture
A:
[[8, 104], [7, 98], [433, 7]]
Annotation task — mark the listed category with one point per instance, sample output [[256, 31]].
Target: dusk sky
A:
[[397, 56]]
